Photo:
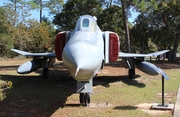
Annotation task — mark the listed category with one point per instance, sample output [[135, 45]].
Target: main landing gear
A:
[[84, 99], [131, 73], [130, 64], [46, 64]]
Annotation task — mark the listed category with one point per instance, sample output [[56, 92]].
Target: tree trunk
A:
[[40, 11], [15, 12], [125, 22], [169, 54], [176, 43]]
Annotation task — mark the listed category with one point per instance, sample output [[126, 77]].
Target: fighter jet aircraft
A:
[[84, 51]]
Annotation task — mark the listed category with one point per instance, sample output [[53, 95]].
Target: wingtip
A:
[[12, 49]]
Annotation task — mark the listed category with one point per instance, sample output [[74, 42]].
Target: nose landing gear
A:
[[84, 99]]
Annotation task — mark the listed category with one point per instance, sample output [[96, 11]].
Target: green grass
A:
[[30, 95]]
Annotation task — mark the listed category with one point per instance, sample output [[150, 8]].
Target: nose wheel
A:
[[84, 99]]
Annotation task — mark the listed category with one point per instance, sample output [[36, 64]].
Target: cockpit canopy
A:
[[86, 23]]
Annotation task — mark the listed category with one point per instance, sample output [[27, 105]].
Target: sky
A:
[[35, 14], [134, 16]]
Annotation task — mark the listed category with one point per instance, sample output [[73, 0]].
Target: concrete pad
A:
[[177, 105], [146, 107], [162, 107]]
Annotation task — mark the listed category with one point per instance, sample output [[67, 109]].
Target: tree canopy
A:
[[160, 26], [66, 20]]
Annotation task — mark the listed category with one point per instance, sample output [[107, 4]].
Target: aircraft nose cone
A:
[[79, 56], [83, 55], [81, 60]]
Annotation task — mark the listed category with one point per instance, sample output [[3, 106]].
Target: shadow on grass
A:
[[32, 96], [72, 105], [106, 80], [125, 107]]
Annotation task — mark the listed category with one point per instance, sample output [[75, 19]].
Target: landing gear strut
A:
[[131, 73], [46, 64], [84, 99]]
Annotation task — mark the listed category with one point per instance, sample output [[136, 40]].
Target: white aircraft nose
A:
[[82, 60]]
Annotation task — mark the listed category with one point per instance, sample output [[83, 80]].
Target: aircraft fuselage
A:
[[84, 52]]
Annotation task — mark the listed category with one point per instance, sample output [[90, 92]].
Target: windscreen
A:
[[85, 23]]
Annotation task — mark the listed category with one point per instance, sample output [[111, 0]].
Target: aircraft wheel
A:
[[87, 99], [81, 98], [45, 73], [84, 99]]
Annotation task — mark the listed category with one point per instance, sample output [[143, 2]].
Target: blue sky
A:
[[134, 15], [35, 14]]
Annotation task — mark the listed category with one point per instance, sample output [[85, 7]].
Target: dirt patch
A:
[[113, 71], [146, 107], [168, 96]]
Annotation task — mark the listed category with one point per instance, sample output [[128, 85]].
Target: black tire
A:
[[84, 99], [87, 99], [81, 98]]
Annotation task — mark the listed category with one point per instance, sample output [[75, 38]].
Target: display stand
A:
[[163, 106]]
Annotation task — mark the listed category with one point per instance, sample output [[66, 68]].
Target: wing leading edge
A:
[[122, 55], [50, 54]]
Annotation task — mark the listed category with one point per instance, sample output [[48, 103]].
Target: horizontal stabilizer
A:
[[50, 54], [163, 74]]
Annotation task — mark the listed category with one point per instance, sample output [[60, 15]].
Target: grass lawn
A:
[[114, 94]]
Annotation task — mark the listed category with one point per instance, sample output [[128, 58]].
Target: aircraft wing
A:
[[130, 55], [50, 54]]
